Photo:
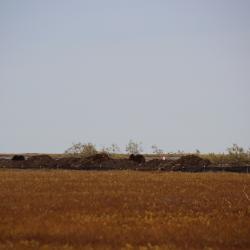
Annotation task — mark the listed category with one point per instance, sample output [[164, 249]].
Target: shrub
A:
[[133, 147], [237, 155], [83, 150]]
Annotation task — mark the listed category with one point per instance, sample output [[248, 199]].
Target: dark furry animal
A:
[[18, 158], [138, 158]]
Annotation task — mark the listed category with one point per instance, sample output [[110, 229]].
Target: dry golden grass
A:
[[123, 210]]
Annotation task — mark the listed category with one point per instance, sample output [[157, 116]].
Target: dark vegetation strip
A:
[[187, 163]]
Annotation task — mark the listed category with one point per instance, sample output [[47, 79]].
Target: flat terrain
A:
[[123, 210]]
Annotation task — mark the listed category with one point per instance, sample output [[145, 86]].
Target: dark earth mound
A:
[[18, 158], [192, 160], [159, 164], [138, 158], [40, 158], [39, 161], [102, 161], [97, 158]]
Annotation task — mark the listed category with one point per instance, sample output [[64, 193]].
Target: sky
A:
[[174, 73]]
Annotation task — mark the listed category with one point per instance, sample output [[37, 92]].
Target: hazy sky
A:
[[175, 73]]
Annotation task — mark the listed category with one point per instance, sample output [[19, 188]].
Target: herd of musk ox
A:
[[102, 161]]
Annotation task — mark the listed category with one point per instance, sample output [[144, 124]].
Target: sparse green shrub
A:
[[218, 159], [156, 150], [83, 150], [236, 156], [113, 149], [133, 147]]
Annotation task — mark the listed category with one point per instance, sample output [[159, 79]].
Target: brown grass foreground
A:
[[123, 210]]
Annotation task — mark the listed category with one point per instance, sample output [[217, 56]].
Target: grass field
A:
[[123, 210]]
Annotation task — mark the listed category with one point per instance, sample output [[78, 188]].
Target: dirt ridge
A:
[[102, 161]]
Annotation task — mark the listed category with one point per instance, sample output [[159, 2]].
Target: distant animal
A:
[[138, 158], [18, 158]]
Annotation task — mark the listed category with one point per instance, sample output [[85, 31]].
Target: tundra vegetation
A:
[[64, 209], [134, 147], [82, 149], [235, 155], [123, 210]]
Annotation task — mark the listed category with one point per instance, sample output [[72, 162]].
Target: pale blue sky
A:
[[174, 73]]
